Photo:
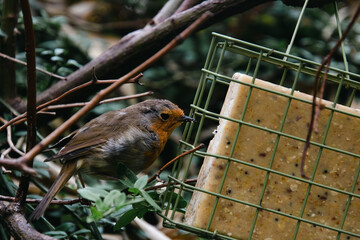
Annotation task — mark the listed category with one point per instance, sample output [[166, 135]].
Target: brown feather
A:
[[66, 173]]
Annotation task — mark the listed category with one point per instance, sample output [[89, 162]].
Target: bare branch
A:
[[132, 49], [58, 202], [14, 219], [21, 118], [37, 68], [9, 139], [166, 11], [115, 99], [31, 98], [18, 164]]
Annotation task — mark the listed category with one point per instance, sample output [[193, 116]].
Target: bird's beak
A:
[[185, 118]]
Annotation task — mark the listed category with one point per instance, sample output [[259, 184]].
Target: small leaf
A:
[[150, 200], [96, 214], [47, 52], [101, 206], [81, 231], [135, 191], [72, 62], [85, 193], [56, 59], [3, 34], [57, 234], [181, 203], [126, 218], [64, 71], [141, 182], [120, 201], [127, 183], [59, 51], [142, 212], [137, 200], [66, 227], [123, 172], [110, 198], [92, 194]]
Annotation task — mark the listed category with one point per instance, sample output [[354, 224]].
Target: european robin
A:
[[134, 136]]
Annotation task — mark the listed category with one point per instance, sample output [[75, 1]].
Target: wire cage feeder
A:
[[256, 190]]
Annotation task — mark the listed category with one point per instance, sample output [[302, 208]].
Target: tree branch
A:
[[14, 220], [9, 58], [58, 202], [20, 118], [115, 99], [132, 49], [31, 96]]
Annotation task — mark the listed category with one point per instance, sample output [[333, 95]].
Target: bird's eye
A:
[[164, 116]]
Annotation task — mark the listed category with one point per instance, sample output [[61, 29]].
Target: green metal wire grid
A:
[[215, 75]]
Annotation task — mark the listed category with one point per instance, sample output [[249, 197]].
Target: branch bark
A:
[[31, 96], [14, 220]]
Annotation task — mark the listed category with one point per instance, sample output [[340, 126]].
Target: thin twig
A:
[[58, 202], [5, 152], [17, 164], [157, 174], [9, 139], [21, 118], [37, 68], [115, 99], [165, 184], [315, 109], [93, 81], [4, 170]]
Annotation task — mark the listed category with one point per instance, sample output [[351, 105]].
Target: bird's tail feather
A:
[[65, 174]]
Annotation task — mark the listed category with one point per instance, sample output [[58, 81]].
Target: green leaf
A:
[[59, 51], [3, 34], [47, 52], [142, 212], [66, 227], [141, 182], [57, 59], [81, 231], [57, 234], [101, 206], [181, 203], [110, 198], [64, 71], [72, 62], [123, 172], [120, 201], [137, 200], [92, 194], [126, 218], [135, 191], [150, 200], [96, 214]]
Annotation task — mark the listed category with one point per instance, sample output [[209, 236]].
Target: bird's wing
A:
[[89, 136], [62, 142]]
